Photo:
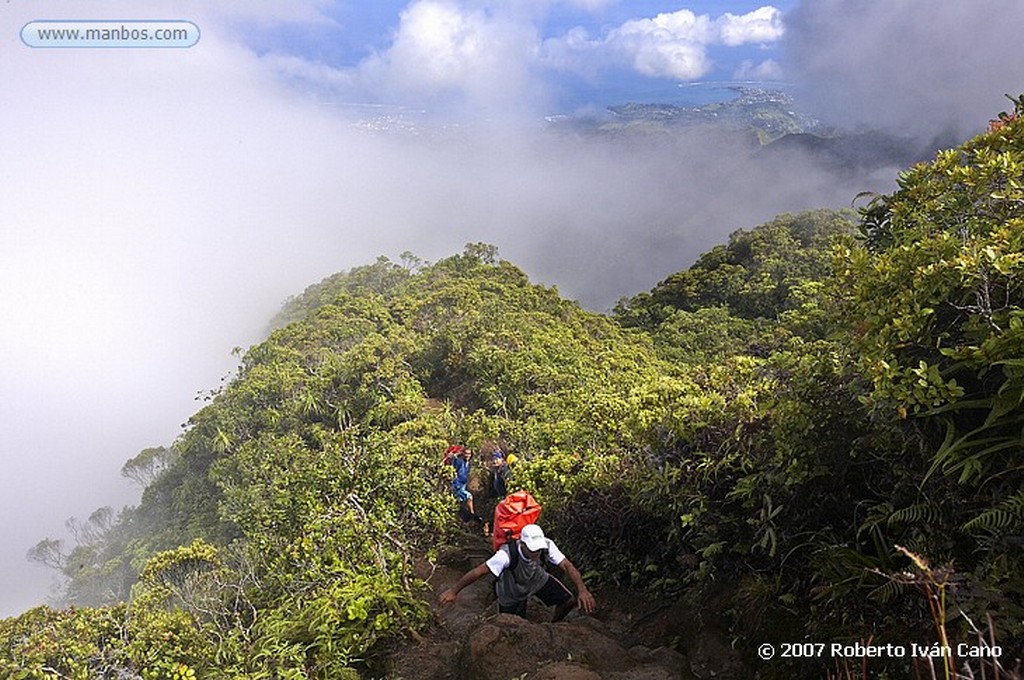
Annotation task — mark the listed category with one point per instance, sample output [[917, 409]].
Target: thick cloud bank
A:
[[916, 66]]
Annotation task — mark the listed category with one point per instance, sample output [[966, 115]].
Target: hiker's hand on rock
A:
[[587, 602], [447, 597]]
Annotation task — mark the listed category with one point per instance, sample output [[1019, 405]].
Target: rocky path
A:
[[628, 638]]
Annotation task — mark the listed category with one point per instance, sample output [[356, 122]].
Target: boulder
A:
[[505, 647]]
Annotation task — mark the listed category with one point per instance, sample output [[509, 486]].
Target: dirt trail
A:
[[627, 638]]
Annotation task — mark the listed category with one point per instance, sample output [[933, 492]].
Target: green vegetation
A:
[[775, 435]]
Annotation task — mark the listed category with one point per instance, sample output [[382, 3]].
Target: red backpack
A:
[[452, 451], [514, 512]]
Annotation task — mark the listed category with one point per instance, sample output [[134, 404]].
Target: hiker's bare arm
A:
[[469, 577], [586, 600]]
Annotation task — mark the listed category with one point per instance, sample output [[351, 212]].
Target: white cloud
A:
[[672, 45], [448, 54], [439, 44], [682, 25], [293, 67], [667, 45], [763, 25], [768, 69], [151, 207]]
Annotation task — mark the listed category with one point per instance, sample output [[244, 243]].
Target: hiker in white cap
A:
[[519, 567]]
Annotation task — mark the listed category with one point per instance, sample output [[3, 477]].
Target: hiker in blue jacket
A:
[[519, 568], [460, 457]]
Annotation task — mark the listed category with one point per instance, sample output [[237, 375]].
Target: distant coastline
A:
[[681, 94]]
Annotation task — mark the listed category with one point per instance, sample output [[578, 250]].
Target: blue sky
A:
[[359, 28], [556, 54]]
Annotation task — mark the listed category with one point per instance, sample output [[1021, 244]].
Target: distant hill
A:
[[769, 122], [852, 152], [769, 113]]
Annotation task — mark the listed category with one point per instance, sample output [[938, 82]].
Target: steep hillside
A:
[[310, 482], [810, 436]]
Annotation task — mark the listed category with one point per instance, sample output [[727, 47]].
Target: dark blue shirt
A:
[[461, 471]]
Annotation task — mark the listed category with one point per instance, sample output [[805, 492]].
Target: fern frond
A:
[[926, 512], [1009, 513], [887, 592]]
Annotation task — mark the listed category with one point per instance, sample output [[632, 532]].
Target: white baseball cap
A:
[[532, 537]]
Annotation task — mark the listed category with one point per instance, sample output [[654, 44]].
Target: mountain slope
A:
[[804, 436]]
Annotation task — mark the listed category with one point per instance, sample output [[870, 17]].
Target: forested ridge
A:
[[813, 433]]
